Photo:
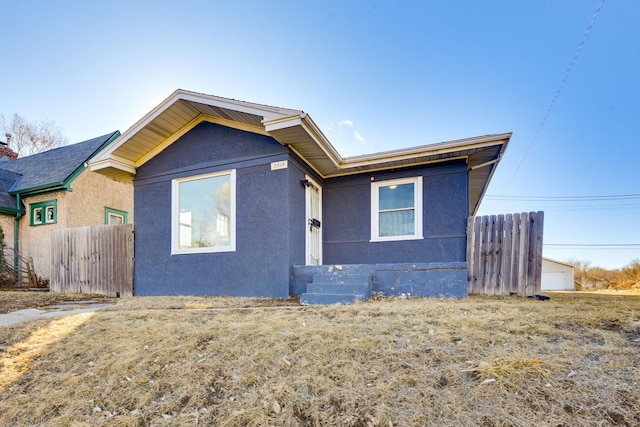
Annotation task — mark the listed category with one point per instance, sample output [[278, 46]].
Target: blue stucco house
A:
[[237, 198]]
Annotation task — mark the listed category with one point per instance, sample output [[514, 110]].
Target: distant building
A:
[[7, 153], [53, 190], [557, 276]]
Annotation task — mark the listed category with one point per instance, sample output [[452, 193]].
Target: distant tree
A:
[[31, 137], [593, 277], [631, 273]]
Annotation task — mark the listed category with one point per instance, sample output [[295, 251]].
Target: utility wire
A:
[[558, 90], [595, 245], [565, 198]]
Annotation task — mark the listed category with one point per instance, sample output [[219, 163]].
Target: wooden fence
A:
[[17, 272], [504, 254], [96, 259]]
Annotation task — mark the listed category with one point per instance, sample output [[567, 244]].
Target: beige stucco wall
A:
[[6, 223], [84, 205]]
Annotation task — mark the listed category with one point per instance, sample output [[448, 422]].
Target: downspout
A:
[[16, 230]]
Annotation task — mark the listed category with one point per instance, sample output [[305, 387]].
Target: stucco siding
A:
[[260, 264], [84, 205], [92, 194], [207, 145], [6, 223], [347, 218]]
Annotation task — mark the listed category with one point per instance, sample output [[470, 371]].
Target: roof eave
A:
[[493, 165], [40, 189], [10, 211], [296, 130], [427, 150]]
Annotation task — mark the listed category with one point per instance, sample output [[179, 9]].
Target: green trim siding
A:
[[109, 211], [47, 188], [44, 210], [10, 212]]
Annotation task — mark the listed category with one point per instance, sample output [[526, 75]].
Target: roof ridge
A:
[[185, 91], [74, 144]]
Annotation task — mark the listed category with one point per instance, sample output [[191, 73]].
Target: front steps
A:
[[337, 288]]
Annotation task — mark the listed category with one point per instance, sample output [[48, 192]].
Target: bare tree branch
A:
[[29, 138]]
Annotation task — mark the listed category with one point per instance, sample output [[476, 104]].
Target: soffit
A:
[[181, 111]]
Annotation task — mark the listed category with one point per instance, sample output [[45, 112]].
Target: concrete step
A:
[[326, 299], [341, 278], [339, 289]]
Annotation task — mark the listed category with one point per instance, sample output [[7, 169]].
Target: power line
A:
[[617, 208], [558, 90], [595, 245], [565, 198]]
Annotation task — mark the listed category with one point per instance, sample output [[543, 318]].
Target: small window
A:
[[43, 213], [396, 209], [203, 213], [114, 216]]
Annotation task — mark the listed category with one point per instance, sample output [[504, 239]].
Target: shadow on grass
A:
[[14, 363]]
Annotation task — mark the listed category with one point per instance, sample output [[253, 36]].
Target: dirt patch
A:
[[183, 361]]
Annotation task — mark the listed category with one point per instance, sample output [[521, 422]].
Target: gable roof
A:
[[555, 261], [183, 110], [47, 171]]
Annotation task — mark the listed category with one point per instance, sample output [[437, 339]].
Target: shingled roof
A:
[[7, 180], [47, 171]]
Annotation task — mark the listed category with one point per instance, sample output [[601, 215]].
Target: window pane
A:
[[37, 216], [396, 196], [50, 212], [399, 223], [205, 207], [116, 219]]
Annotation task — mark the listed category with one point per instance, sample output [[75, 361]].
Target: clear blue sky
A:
[[374, 75]]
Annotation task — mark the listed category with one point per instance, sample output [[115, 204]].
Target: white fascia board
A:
[[266, 111], [305, 122], [316, 134], [113, 162], [427, 150], [346, 171], [279, 123], [139, 125]]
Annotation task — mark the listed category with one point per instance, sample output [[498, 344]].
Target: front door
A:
[[313, 196]]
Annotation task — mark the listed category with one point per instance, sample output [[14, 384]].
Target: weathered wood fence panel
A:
[[504, 254], [96, 259]]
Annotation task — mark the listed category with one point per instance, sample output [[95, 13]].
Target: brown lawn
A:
[[187, 361]]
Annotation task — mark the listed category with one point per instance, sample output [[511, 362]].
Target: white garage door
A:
[[553, 281]]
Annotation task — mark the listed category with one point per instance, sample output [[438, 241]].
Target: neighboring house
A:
[[52, 190], [237, 198], [557, 276]]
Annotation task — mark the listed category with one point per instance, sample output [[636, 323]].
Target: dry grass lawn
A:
[[18, 300], [573, 360]]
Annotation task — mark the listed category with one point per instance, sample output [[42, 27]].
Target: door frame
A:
[[308, 215]]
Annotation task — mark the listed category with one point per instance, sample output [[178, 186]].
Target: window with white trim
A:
[[204, 213], [396, 209]]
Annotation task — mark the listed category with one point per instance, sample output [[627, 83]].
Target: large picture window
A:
[[396, 209], [204, 213]]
